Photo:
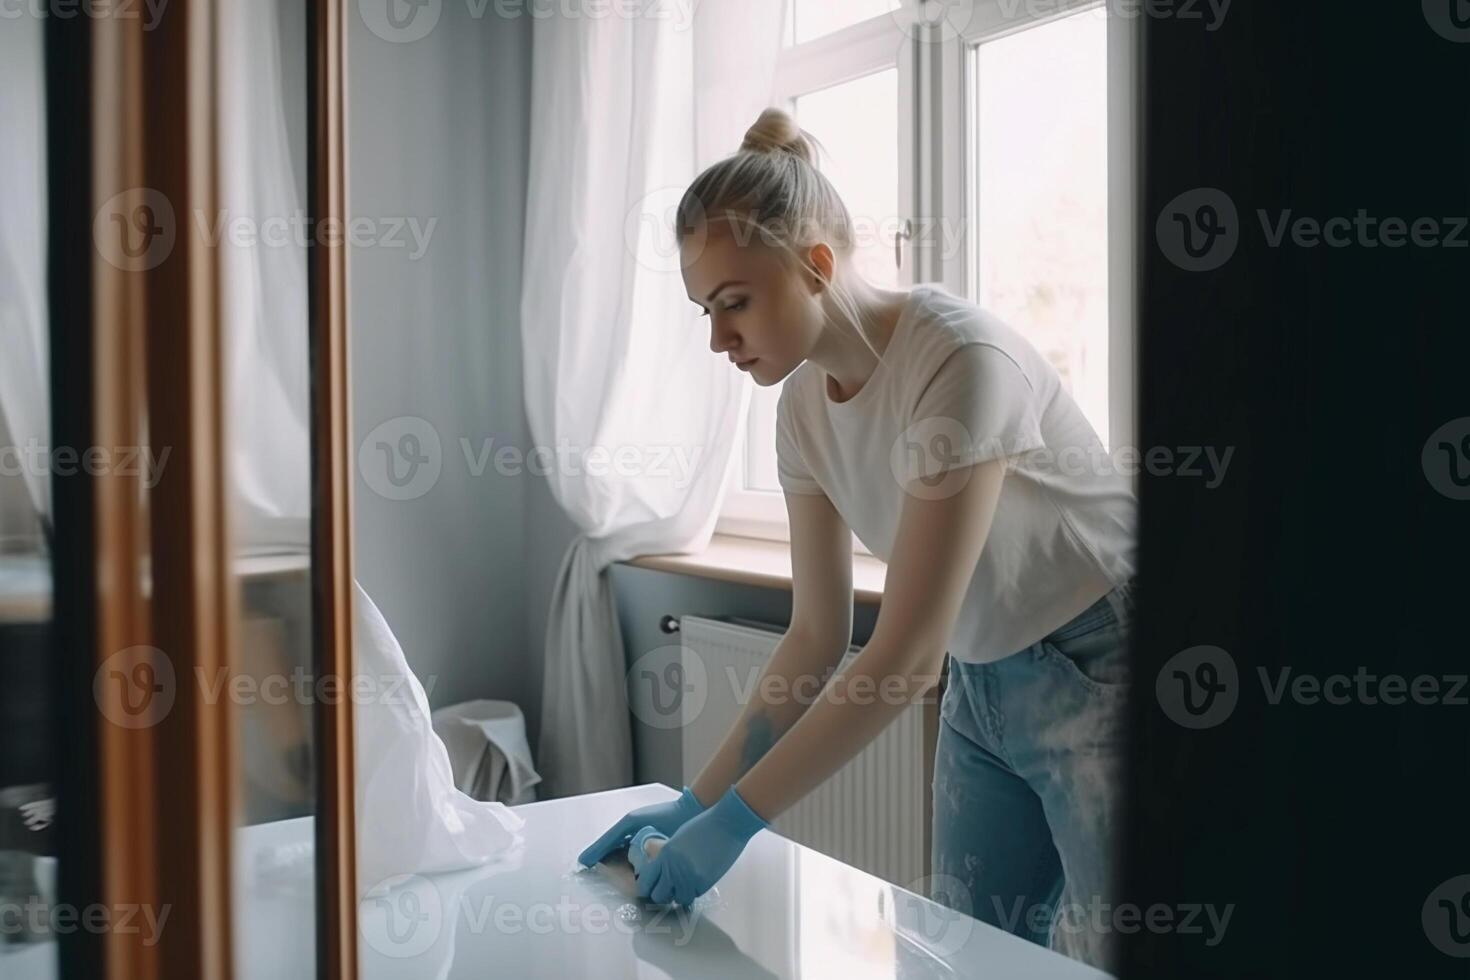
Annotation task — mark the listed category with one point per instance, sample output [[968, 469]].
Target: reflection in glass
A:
[[262, 235], [28, 851]]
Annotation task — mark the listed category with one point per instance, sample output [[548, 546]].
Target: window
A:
[[808, 20], [845, 118], [840, 76], [1014, 162], [1039, 175]]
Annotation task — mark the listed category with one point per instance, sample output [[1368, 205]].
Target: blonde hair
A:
[[772, 185]]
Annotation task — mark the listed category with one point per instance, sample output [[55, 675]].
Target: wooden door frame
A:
[[147, 814], [331, 489]]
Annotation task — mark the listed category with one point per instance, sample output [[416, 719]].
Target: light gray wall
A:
[[464, 574], [438, 129]]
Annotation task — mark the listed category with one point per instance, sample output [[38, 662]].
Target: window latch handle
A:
[[907, 232]]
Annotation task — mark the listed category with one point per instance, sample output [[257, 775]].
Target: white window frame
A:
[[936, 75]]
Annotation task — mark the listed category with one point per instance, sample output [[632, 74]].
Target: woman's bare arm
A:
[[934, 555], [819, 634]]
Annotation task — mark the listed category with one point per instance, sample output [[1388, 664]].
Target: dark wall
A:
[[1336, 544]]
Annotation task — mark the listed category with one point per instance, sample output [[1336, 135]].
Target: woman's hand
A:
[[666, 818], [700, 852]]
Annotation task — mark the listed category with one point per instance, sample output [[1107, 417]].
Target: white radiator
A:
[[870, 814]]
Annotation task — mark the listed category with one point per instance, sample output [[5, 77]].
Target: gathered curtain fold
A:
[[624, 113]]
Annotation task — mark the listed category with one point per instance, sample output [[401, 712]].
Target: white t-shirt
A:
[[957, 386]]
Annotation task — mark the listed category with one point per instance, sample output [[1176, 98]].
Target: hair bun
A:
[[776, 132]]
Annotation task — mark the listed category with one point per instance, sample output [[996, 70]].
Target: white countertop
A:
[[782, 911]]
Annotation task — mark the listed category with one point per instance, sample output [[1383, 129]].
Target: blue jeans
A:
[[1028, 784]]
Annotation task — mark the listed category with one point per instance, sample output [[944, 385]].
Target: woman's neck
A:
[[849, 362]]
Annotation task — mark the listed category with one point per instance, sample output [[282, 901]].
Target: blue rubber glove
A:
[[663, 817], [700, 852], [638, 847]]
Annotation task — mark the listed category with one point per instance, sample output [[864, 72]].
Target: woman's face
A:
[[763, 314]]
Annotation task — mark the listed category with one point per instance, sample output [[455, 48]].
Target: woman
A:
[[947, 443]]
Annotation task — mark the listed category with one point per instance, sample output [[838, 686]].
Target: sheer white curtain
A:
[[24, 381], [264, 285], [410, 816], [624, 113]]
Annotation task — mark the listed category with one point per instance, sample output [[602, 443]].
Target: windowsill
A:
[[755, 561]]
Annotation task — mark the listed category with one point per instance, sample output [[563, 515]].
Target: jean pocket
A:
[[1098, 661]]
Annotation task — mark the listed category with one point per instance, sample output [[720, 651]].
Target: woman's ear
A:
[[820, 258]]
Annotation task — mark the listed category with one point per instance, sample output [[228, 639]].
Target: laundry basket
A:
[[488, 750]]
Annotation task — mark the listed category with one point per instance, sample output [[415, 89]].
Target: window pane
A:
[[857, 125], [263, 173], [814, 18], [1041, 211]]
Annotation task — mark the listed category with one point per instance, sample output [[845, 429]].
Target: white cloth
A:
[[488, 750], [957, 386], [623, 112], [410, 817]]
